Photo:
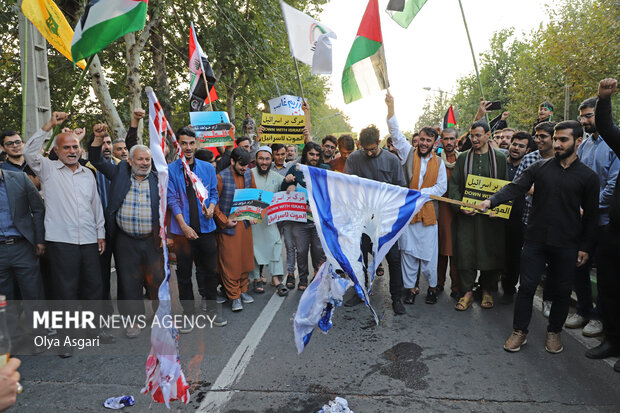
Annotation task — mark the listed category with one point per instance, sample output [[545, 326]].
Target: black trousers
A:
[[514, 244], [19, 269], [75, 271], [105, 263], [559, 283], [608, 273], [203, 253], [138, 261], [394, 266]]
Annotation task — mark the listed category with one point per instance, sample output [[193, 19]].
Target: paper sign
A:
[[286, 105], [480, 188], [212, 129], [287, 207], [250, 205], [283, 129]]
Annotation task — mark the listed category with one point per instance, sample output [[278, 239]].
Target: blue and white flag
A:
[[344, 207]]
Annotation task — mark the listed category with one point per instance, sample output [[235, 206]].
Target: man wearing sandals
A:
[[267, 241], [426, 173], [478, 235], [193, 227], [556, 232]]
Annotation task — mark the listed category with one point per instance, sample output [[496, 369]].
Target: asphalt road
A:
[[433, 359]]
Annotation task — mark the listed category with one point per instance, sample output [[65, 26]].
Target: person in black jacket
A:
[[556, 231], [132, 222], [608, 257]]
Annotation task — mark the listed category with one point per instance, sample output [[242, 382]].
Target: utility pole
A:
[[566, 100], [36, 104]]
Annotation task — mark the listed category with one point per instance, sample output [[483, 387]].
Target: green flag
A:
[[404, 15]]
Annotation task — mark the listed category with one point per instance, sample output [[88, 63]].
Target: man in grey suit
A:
[[22, 240]]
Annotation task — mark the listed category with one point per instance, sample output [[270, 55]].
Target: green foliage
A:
[[578, 48]]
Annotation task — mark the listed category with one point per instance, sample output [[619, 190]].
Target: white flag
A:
[[309, 40]]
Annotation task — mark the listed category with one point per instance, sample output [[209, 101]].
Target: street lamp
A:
[[441, 92]]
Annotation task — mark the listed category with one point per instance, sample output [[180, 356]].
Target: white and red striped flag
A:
[[165, 380]]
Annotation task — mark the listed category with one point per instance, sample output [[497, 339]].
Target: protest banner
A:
[[250, 205], [212, 129], [286, 105], [480, 188], [287, 207], [284, 129]]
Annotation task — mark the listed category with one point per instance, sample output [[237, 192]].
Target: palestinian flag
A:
[[199, 63], [449, 120], [365, 71], [103, 22], [403, 11]]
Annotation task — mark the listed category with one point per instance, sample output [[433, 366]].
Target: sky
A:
[[433, 52]]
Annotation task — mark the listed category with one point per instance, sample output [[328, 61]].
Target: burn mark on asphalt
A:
[[403, 363]]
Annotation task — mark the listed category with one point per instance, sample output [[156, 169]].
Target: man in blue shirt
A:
[[193, 227], [597, 155]]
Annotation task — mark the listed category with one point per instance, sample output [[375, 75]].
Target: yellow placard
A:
[[480, 188], [285, 129]]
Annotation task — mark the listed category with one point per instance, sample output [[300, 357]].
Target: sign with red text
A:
[[287, 207]]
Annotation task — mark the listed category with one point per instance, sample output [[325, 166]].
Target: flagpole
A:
[[207, 87], [301, 89], [473, 56], [69, 103]]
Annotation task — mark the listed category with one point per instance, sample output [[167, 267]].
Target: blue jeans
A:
[[562, 262]]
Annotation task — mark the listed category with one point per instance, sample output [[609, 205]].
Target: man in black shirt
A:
[[608, 257], [556, 232]]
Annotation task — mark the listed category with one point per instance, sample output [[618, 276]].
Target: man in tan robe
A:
[[446, 215], [235, 250]]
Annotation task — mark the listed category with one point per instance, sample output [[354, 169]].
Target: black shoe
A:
[[617, 366], [106, 338], [439, 289], [507, 298], [410, 298], [353, 301], [398, 307], [603, 350], [431, 297], [66, 353]]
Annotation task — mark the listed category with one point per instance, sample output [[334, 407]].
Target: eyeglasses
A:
[[18, 142], [586, 116]]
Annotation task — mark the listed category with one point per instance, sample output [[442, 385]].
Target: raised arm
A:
[[94, 152], [32, 149], [131, 139], [604, 120], [399, 140]]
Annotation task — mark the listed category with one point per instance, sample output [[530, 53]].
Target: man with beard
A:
[[13, 146], [329, 145], [74, 241], [193, 228], [557, 231], [267, 241], [235, 252], [305, 236], [446, 216], [372, 162], [506, 139], [519, 146], [599, 157], [426, 173], [291, 153], [477, 233], [132, 222], [544, 142]]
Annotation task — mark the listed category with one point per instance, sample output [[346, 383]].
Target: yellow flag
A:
[[52, 24]]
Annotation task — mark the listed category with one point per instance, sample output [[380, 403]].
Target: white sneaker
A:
[[575, 321], [246, 298], [594, 328], [546, 308]]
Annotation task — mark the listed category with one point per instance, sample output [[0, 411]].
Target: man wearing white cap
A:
[[267, 241]]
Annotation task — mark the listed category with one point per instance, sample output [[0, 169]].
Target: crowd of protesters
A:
[[64, 220]]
